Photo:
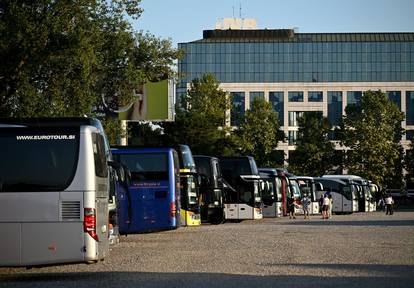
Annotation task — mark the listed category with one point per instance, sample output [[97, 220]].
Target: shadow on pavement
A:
[[320, 222], [385, 276]]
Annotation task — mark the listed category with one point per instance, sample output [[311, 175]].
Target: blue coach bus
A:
[[151, 199]]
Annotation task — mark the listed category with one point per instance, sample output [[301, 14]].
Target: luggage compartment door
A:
[[10, 244], [49, 243]]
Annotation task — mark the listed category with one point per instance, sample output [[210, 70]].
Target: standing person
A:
[[291, 208], [330, 205], [325, 207], [320, 202], [305, 205], [389, 202]]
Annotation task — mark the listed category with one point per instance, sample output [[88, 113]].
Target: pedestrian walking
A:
[[291, 208], [389, 202], [330, 205], [325, 207], [305, 205], [320, 202]]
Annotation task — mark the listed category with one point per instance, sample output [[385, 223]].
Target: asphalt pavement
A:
[[358, 250]]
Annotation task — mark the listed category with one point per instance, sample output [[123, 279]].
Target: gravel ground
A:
[[359, 250]]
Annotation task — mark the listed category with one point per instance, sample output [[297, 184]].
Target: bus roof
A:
[[50, 122], [139, 149], [350, 177], [205, 156], [337, 180]]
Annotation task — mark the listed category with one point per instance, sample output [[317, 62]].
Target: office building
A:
[[298, 72]]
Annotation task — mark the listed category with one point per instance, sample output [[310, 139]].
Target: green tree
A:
[[314, 152], [371, 132], [65, 58], [259, 133], [201, 122], [409, 163]]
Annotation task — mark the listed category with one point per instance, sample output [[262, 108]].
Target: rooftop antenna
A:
[[240, 10], [233, 11]]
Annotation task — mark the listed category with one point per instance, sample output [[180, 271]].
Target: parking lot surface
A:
[[358, 250]]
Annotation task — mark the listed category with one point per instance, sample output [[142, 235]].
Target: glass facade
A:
[[395, 96], [254, 95], [334, 107], [295, 96], [292, 137], [238, 107], [347, 57], [293, 118], [409, 107], [409, 135], [353, 97], [276, 99], [315, 96]]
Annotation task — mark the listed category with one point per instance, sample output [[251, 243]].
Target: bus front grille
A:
[[70, 210]]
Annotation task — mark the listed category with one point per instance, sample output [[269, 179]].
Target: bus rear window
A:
[[145, 166], [34, 159]]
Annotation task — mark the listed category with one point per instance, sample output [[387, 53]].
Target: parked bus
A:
[[309, 186], [344, 194], [243, 200], [54, 190], [282, 174], [271, 192], [151, 200], [367, 201], [294, 191], [211, 189], [190, 205]]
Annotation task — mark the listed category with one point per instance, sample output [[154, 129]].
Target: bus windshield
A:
[[295, 188], [37, 159], [188, 161], [145, 166]]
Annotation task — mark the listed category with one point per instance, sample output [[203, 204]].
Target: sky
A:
[[185, 20]]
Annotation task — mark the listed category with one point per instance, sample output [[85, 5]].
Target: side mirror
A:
[[119, 169], [318, 186]]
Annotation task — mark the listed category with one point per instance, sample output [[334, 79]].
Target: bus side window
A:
[[101, 168]]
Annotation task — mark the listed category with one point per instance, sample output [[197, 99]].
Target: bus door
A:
[[190, 206], [284, 187], [268, 197], [250, 206]]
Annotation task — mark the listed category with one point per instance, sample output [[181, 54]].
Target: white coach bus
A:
[[54, 190]]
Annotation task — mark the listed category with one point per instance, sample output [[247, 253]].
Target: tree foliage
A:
[[409, 163], [259, 133], [201, 124], [65, 58], [314, 154], [371, 132]]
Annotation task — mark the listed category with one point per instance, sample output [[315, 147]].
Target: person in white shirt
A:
[[389, 202], [325, 207]]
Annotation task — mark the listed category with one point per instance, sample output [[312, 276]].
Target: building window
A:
[[409, 107], [315, 96], [353, 97], [295, 96], [409, 135], [293, 118], [238, 108], [254, 95], [276, 100], [292, 137], [334, 107], [395, 96]]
